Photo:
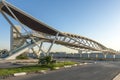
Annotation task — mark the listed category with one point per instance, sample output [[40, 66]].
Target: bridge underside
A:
[[41, 32]]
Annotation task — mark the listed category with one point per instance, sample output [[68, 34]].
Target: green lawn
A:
[[33, 68], [8, 71], [61, 64]]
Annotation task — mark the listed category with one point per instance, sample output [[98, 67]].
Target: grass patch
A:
[[61, 64], [33, 68], [70, 63]]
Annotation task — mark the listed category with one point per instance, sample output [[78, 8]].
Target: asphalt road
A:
[[95, 71], [9, 65]]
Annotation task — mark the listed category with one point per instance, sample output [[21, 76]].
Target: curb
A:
[[19, 74], [67, 66], [80, 64], [75, 65], [116, 77], [23, 74], [41, 71], [57, 68], [85, 63], [4, 77]]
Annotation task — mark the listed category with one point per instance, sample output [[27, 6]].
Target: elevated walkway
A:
[[51, 35]]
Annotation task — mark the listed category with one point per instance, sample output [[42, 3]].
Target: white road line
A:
[[117, 77]]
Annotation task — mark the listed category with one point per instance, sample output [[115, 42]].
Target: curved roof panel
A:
[[29, 21]]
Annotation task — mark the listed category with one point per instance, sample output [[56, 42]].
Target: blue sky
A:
[[95, 19]]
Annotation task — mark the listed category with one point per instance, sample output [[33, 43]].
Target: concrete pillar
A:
[[105, 55], [13, 35], [80, 55], [96, 56], [88, 55], [113, 56], [80, 52]]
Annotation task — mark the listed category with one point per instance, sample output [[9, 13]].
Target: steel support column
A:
[[52, 43]]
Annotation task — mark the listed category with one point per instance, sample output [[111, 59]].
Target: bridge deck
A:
[[39, 26]]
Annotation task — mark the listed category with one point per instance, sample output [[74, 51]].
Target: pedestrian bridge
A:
[[40, 32]]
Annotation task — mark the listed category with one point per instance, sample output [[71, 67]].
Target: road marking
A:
[[117, 77]]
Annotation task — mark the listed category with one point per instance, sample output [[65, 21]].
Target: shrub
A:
[[46, 60], [22, 56]]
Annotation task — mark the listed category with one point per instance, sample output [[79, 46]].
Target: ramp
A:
[[20, 50]]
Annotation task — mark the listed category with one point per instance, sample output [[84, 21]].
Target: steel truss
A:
[[22, 37], [72, 41]]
